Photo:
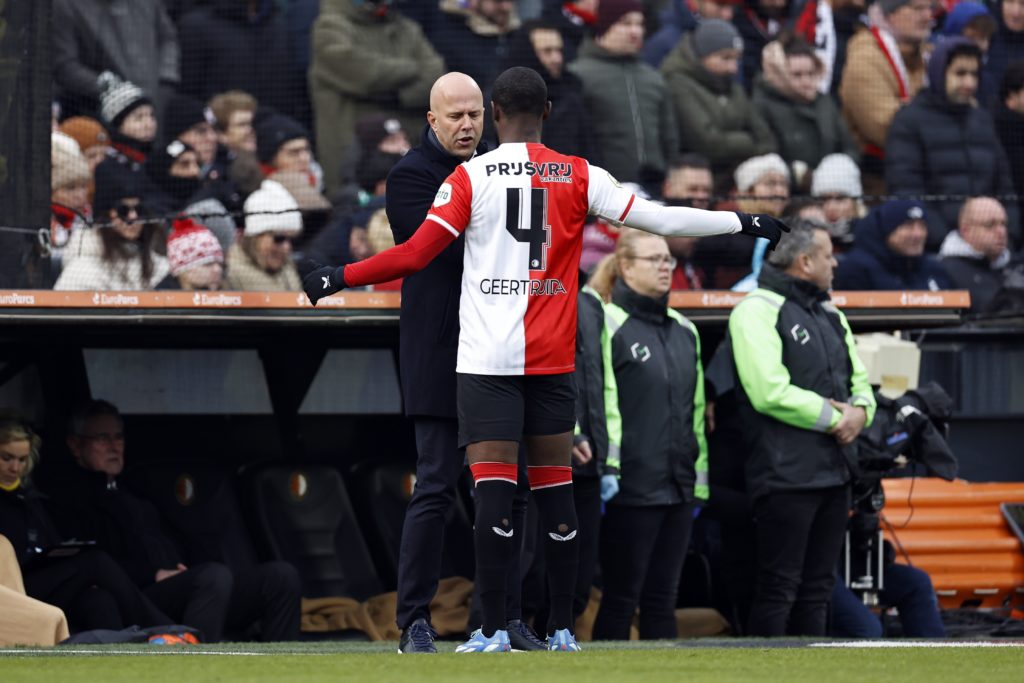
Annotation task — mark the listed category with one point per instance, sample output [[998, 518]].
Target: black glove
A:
[[762, 225], [320, 281]]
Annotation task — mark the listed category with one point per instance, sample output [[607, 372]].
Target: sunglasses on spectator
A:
[[125, 210], [281, 239]]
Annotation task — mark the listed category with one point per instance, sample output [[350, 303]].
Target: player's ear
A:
[[495, 112], [547, 111]]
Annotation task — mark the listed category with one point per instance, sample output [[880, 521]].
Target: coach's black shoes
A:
[[522, 638], [418, 639]]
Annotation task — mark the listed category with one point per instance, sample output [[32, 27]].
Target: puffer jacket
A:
[[631, 108], [364, 64], [938, 147], [85, 268], [716, 118]]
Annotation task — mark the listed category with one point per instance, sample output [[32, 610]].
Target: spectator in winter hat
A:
[[70, 182], [380, 132], [715, 115], [195, 256], [120, 253], [282, 144], [286, 156], [637, 135], [128, 114], [889, 252], [189, 120], [836, 182], [173, 168], [973, 21], [69, 174], [261, 260], [234, 112], [766, 180], [92, 138], [1008, 43]]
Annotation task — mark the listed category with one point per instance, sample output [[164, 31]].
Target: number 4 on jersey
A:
[[537, 233]]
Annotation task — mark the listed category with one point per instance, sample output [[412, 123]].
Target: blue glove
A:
[[609, 487]]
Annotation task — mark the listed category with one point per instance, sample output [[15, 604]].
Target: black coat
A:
[[25, 521], [477, 55], [1009, 125], [127, 527], [655, 354], [429, 321], [937, 147], [223, 49], [591, 416]]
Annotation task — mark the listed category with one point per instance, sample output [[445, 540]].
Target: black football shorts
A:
[[508, 407]]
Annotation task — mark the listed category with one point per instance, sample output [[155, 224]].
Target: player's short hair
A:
[[520, 90]]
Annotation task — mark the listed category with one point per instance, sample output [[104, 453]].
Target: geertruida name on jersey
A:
[[550, 172], [498, 286]]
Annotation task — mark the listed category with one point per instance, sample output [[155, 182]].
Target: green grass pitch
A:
[[379, 663]]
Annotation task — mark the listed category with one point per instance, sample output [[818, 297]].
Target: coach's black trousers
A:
[[799, 537], [439, 464], [642, 555]]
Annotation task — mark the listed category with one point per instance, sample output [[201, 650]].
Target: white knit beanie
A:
[[281, 212], [67, 165], [750, 171], [836, 174]]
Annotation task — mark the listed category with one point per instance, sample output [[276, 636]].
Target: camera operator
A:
[[805, 397], [908, 428]]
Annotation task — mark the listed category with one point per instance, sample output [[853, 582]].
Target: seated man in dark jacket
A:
[[889, 251], [206, 596], [977, 258]]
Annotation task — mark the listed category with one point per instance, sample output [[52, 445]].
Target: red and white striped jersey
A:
[[522, 208]]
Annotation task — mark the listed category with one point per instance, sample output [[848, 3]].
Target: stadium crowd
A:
[[273, 124], [214, 144]]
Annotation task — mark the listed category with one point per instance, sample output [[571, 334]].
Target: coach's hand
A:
[[762, 225], [320, 281]]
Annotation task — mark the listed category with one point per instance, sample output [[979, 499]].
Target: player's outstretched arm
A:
[[611, 201], [405, 259], [681, 221]]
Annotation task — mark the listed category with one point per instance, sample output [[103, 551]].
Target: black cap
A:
[[273, 132]]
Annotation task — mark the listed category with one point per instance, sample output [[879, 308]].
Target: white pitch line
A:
[[918, 644], [147, 653]]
